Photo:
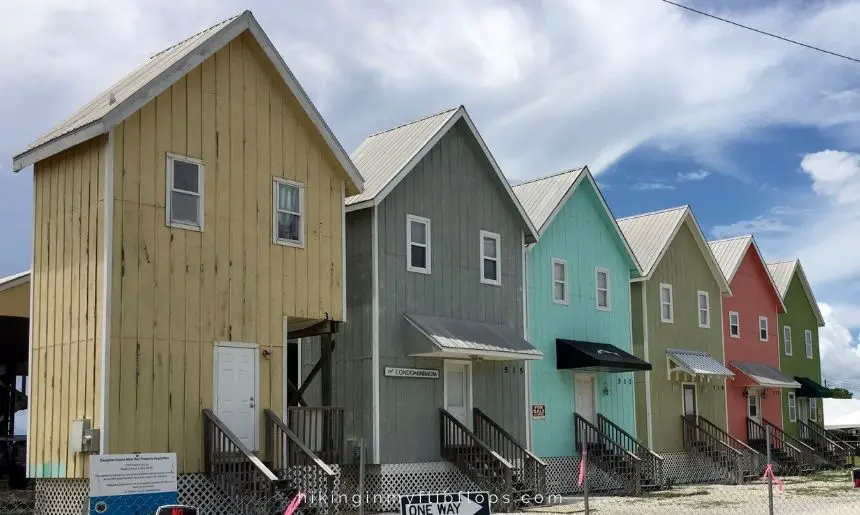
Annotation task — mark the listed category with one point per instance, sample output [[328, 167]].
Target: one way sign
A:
[[466, 503]]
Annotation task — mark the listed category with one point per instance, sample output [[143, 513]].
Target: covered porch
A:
[[14, 361]]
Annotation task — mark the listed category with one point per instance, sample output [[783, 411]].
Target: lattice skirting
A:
[[62, 496], [563, 471], [681, 468], [384, 484]]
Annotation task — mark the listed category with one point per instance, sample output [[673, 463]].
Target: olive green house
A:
[[799, 355], [677, 327]]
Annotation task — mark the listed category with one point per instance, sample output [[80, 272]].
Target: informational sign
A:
[[132, 484], [464, 503], [423, 373], [538, 411]]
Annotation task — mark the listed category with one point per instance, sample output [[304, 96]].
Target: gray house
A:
[[435, 297]]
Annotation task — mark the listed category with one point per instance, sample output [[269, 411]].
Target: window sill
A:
[[735, 336], [490, 283], [704, 327], [604, 309], [425, 271], [560, 302], [187, 227], [670, 321], [287, 243]]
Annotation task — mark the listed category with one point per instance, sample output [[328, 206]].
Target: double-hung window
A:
[[601, 282], [734, 324], [792, 407], [288, 224], [813, 409], [786, 340], [559, 281], [807, 340], [666, 304], [762, 328], [417, 244], [704, 303], [184, 192], [490, 251]]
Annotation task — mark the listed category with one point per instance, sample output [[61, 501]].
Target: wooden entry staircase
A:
[[265, 486], [829, 451], [785, 450], [492, 458], [652, 463], [740, 461], [610, 456]]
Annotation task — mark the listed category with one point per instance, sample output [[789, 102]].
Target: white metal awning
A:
[[452, 337], [765, 375], [696, 363]]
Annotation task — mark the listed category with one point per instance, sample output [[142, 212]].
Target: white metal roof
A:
[[841, 413], [698, 363], [543, 199], [783, 271], [730, 253], [12, 281], [765, 375], [650, 234], [387, 157], [157, 74], [466, 337]]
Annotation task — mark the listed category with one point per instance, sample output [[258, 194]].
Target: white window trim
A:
[[608, 307], [766, 328], [807, 343], [706, 325], [738, 324], [789, 349], [169, 190], [792, 417], [409, 243], [695, 397], [671, 318], [555, 261], [498, 238], [302, 212], [750, 395], [813, 409]]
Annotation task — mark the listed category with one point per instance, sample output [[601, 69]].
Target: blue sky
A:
[[666, 107]]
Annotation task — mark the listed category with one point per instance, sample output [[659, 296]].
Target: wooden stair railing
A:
[[752, 461], [487, 468], [320, 428], [236, 470], [786, 450], [531, 470], [290, 458], [697, 438], [827, 448], [652, 463], [607, 454]]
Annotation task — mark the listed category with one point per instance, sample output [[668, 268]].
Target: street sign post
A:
[[460, 503]]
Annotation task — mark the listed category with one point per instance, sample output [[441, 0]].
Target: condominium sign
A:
[[422, 373]]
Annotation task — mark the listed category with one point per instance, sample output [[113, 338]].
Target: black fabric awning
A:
[[809, 388], [595, 357]]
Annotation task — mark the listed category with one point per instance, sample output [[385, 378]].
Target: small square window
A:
[[490, 272], [666, 301], [704, 304], [786, 340], [559, 281], [734, 324], [288, 223], [762, 328], [601, 282], [417, 244], [184, 192]]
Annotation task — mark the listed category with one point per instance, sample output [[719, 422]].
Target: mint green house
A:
[[578, 283]]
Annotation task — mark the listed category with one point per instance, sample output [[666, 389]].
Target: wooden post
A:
[[325, 359]]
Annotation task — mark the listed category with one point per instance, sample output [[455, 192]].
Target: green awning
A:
[[809, 388]]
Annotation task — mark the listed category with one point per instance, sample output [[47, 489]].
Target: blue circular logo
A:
[[101, 507]]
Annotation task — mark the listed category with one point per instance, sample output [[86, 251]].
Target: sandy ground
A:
[[824, 493]]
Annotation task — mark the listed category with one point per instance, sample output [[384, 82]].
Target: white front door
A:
[[236, 372], [754, 405], [689, 399], [458, 392], [584, 397]]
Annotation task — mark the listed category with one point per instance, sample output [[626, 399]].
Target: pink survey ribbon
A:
[[768, 472], [581, 478], [294, 504]]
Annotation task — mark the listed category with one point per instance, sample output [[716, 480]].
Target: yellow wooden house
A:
[[189, 222]]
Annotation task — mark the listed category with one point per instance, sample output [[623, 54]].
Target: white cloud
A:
[[840, 355], [697, 175], [651, 186], [764, 224], [835, 174]]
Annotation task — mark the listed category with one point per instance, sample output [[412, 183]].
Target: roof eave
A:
[[57, 145]]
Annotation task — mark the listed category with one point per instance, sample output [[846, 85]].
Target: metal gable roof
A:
[[698, 363], [765, 375], [12, 281], [472, 338], [544, 197], [158, 73], [650, 235], [387, 157], [783, 271], [730, 253]]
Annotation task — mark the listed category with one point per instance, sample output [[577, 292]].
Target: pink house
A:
[[751, 340]]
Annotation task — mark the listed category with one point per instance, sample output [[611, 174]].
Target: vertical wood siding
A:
[[685, 268], [175, 292], [455, 187], [752, 296], [67, 299], [584, 236], [800, 316]]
